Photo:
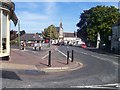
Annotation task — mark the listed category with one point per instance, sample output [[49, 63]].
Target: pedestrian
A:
[[24, 45], [39, 46], [35, 45]]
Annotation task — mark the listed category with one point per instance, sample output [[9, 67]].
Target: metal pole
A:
[[19, 34], [67, 57], [72, 56], [49, 59], [50, 37]]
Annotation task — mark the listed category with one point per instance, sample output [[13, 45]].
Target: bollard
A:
[[72, 56], [67, 57], [49, 59]]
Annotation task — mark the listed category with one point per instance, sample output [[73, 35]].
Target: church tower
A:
[[60, 32]]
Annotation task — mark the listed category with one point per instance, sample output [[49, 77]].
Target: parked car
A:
[[83, 46]]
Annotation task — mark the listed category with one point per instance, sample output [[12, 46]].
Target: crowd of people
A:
[[35, 45]]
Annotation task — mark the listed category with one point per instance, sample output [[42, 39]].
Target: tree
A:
[[50, 32], [98, 19]]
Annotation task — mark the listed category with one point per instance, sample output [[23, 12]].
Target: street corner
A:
[[74, 66]]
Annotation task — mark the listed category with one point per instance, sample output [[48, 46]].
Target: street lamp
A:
[[6, 13], [19, 42], [50, 37]]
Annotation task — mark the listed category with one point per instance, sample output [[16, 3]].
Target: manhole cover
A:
[[31, 72]]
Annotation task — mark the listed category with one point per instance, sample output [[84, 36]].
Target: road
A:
[[100, 70]]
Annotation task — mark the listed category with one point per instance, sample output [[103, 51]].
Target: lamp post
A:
[[19, 42], [50, 37]]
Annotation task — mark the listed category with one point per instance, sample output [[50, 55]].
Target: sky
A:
[[35, 16]]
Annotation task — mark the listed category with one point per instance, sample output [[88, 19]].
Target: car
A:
[[83, 46]]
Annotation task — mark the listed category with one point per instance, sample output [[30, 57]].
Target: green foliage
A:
[[50, 32], [99, 19]]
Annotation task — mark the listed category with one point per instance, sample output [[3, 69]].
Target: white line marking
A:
[[103, 59], [99, 57], [97, 86], [84, 53], [45, 56], [63, 54]]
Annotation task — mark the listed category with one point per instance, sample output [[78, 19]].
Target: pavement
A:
[[29, 59]]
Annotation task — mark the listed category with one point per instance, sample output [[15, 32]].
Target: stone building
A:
[[115, 40], [68, 37]]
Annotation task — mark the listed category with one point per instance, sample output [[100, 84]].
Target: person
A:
[[24, 45], [39, 46], [35, 45]]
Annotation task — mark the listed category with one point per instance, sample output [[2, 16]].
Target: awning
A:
[[14, 18], [11, 6]]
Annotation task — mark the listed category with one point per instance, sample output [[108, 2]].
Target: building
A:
[[30, 38], [68, 37], [6, 13], [115, 40], [13, 35], [60, 38], [72, 39]]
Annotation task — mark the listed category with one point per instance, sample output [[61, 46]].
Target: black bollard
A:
[[67, 57], [72, 56], [49, 59]]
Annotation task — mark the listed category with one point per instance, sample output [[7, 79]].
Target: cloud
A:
[[29, 16], [34, 17], [50, 8], [32, 22]]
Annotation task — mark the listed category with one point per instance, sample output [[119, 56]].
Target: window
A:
[[4, 31]]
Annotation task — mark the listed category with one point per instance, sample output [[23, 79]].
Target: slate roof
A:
[[69, 35], [30, 37], [57, 28]]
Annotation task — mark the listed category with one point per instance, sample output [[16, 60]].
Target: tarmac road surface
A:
[[100, 70]]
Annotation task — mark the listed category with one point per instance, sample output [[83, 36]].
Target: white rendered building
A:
[[6, 13]]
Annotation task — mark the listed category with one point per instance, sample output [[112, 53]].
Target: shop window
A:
[[4, 32]]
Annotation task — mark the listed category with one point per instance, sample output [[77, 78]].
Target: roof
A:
[[30, 37], [69, 35], [57, 28]]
